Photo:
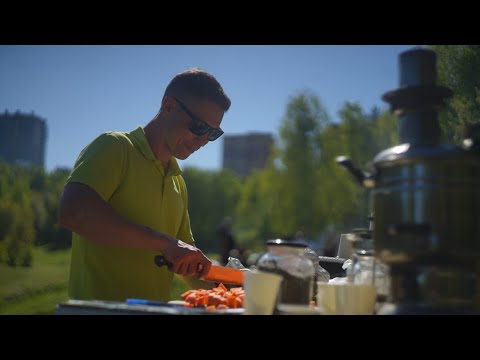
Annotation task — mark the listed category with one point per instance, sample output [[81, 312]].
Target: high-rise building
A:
[[243, 153], [23, 138]]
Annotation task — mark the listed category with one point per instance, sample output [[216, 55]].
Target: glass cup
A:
[[346, 299], [261, 292], [345, 246]]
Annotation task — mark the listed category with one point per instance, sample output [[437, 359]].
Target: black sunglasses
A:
[[200, 127]]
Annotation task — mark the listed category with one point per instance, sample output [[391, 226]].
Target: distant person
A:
[[126, 200], [226, 241]]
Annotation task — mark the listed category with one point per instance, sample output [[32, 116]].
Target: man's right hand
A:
[[186, 259]]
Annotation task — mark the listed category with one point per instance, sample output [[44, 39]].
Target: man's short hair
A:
[[198, 84]]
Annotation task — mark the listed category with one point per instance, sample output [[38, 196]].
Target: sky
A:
[[84, 90]]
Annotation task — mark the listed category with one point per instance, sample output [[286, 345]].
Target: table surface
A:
[[95, 307]]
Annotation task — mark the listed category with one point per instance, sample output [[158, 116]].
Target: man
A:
[[126, 201]]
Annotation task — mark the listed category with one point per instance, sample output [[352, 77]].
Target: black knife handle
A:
[[161, 261]]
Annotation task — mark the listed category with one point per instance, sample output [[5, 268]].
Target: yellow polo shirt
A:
[[122, 169]]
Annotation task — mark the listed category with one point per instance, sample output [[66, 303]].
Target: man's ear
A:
[[168, 103]]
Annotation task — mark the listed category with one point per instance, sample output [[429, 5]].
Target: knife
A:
[[216, 273]]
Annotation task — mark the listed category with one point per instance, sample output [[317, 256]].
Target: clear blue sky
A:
[[84, 90]]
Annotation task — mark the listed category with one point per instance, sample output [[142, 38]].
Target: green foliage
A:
[[51, 233], [458, 67], [303, 188], [28, 208], [360, 136], [251, 211], [300, 154], [212, 196], [356, 133], [19, 238], [385, 132]]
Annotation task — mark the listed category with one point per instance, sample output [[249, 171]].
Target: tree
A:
[[342, 202], [17, 230], [338, 197], [29, 200], [212, 195], [357, 133], [300, 154], [458, 67]]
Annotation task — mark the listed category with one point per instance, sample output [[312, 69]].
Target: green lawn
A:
[[38, 289]]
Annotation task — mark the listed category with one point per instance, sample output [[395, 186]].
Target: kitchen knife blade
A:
[[216, 273]]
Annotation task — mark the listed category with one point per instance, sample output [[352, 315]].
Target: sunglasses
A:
[[199, 127]]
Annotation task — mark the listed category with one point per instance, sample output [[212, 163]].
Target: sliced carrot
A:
[[192, 299], [202, 300], [238, 302], [231, 302], [216, 298], [186, 293], [221, 286]]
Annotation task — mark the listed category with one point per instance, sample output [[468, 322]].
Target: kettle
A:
[[426, 195]]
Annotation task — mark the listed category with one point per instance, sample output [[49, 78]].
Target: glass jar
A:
[[320, 274], [288, 259], [366, 268]]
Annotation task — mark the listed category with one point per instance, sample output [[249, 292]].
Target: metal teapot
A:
[[426, 196]]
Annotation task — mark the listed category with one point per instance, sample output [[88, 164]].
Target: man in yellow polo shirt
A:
[[126, 201]]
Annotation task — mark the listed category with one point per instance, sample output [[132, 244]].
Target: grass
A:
[[36, 290]]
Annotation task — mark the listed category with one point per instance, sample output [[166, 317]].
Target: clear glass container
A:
[[320, 274], [288, 259], [366, 268]]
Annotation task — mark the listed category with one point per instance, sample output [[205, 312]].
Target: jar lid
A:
[[292, 243]]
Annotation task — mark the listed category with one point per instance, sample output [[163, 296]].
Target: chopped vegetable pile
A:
[[215, 299]]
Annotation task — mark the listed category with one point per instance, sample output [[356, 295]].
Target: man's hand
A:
[[186, 259]]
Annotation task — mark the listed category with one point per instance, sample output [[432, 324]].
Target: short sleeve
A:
[[101, 164]]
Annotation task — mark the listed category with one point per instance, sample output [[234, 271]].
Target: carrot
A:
[[186, 293], [192, 299], [217, 298], [221, 286]]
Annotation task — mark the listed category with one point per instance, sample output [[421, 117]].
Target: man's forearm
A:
[[83, 211]]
